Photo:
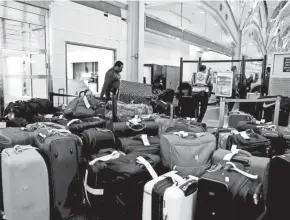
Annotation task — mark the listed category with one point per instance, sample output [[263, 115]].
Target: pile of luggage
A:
[[83, 166]]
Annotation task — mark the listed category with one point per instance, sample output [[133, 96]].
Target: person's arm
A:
[[106, 83]]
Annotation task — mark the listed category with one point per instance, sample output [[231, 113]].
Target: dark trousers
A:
[[109, 91], [231, 104], [202, 99]]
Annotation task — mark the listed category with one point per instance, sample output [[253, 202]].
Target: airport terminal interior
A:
[[144, 110]]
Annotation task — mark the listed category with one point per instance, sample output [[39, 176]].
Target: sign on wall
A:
[[224, 84], [286, 64]]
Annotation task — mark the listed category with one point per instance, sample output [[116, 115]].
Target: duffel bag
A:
[[143, 143], [63, 152], [127, 129], [245, 125], [250, 141], [9, 137], [189, 153], [83, 107], [17, 122], [40, 106], [77, 126], [19, 108], [167, 125], [125, 111], [50, 125], [95, 139], [237, 116]]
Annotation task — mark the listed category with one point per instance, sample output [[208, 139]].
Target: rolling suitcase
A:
[[170, 196], [148, 144], [63, 152], [278, 188], [189, 153], [25, 184], [228, 192]]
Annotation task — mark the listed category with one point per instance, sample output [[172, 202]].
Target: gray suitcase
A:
[[25, 184]]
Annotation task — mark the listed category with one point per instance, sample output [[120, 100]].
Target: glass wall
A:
[[23, 68]]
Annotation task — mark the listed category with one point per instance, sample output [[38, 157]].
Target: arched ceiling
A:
[[265, 25]]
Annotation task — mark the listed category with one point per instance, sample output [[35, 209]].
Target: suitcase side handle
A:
[[148, 166], [20, 148]]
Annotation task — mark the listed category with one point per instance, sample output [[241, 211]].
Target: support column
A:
[[135, 49], [237, 55]]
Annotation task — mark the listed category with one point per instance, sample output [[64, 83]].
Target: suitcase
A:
[[238, 116], [126, 129], [95, 139], [170, 196], [278, 188], [190, 154], [25, 184], [9, 137], [222, 135], [136, 143], [63, 152], [226, 194], [257, 145]]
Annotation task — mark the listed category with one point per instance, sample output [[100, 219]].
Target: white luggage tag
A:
[[3, 124], [258, 122], [263, 121], [181, 134], [145, 140], [135, 120], [235, 131], [244, 135], [234, 151], [86, 102]]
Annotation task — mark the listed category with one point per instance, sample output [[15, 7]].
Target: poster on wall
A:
[[224, 84], [286, 64]]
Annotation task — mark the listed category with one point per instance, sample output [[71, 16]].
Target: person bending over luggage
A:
[[112, 80]]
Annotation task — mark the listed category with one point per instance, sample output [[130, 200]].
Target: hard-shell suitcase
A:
[[139, 143], [190, 154], [25, 184], [63, 152], [278, 188], [126, 129], [170, 196]]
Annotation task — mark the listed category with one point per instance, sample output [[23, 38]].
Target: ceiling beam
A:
[[160, 3], [255, 26], [249, 18]]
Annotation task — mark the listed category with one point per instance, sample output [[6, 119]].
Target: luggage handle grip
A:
[[175, 178], [235, 168], [148, 166], [21, 148], [73, 121]]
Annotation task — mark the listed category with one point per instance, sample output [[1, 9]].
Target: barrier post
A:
[[222, 112], [277, 111], [181, 71], [114, 108]]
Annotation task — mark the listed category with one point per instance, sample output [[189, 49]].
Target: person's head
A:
[[118, 67], [234, 69], [202, 68], [268, 70]]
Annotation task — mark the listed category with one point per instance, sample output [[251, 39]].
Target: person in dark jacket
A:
[[112, 80]]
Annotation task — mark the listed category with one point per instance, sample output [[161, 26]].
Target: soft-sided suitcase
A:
[[190, 154], [222, 135], [237, 116], [63, 151], [9, 137], [95, 139], [126, 129], [224, 193], [278, 188], [25, 181], [138, 143], [170, 196]]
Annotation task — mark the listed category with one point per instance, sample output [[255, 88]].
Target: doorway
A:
[[86, 66]]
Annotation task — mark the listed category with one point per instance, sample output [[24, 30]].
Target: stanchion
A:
[[114, 108]]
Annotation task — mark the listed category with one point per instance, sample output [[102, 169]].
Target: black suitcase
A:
[[227, 195], [131, 144], [126, 129], [77, 126], [277, 201]]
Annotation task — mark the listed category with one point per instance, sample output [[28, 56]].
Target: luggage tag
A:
[[263, 121], [181, 134], [145, 140], [3, 124], [244, 135], [86, 102], [258, 122], [234, 151], [135, 121], [235, 132]]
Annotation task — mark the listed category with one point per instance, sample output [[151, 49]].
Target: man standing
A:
[[112, 80]]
